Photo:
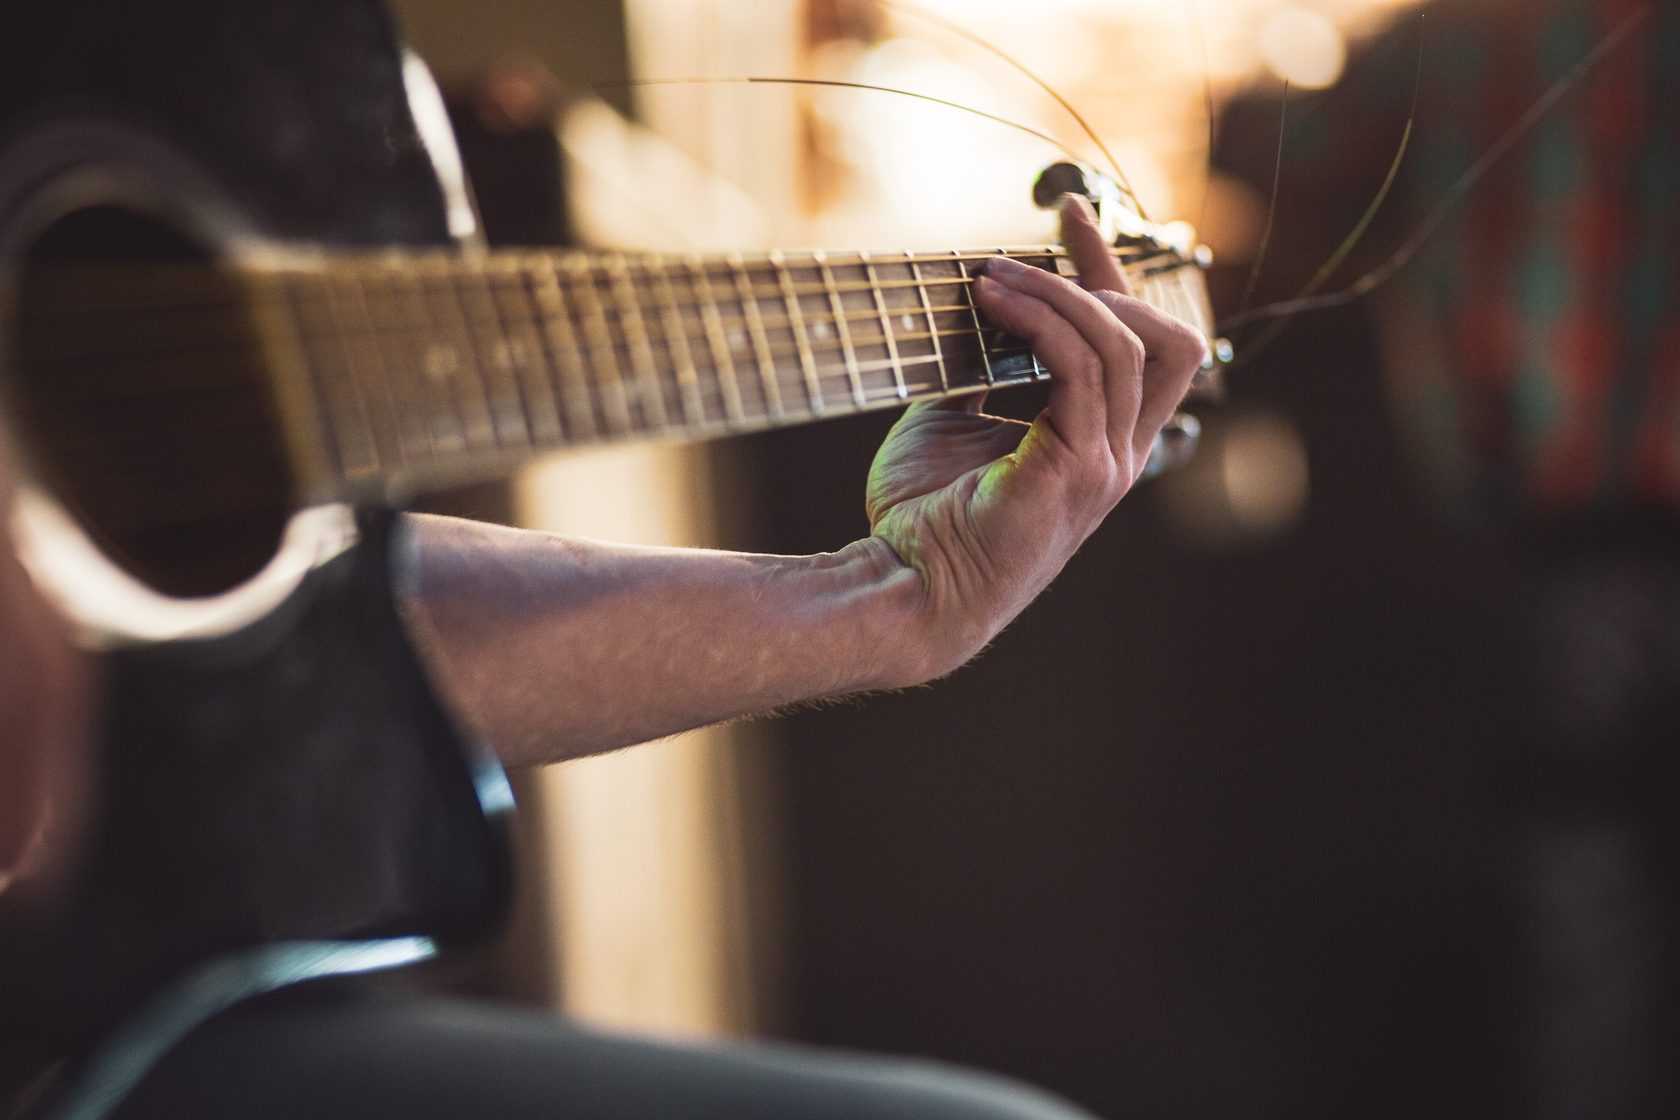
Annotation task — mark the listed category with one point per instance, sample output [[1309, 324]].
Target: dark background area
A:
[[1198, 837]]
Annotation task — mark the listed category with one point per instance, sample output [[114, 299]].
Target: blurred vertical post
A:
[[636, 912]]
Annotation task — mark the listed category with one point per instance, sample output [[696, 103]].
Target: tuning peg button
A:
[[1064, 178], [1174, 444]]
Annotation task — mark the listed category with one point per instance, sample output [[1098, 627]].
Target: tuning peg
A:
[[1065, 178], [1116, 219], [1174, 444]]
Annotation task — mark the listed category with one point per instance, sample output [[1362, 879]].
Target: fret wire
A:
[[801, 341], [849, 288], [771, 322], [838, 370], [445, 360], [566, 362], [841, 328], [333, 440], [1134, 262], [1194, 309], [933, 328], [1039, 372], [505, 281], [850, 315], [603, 357], [351, 363], [1167, 295], [677, 343], [1186, 298], [790, 354], [886, 327], [434, 365], [1128, 256], [442, 274], [888, 364], [352, 281], [1195, 298], [638, 343], [411, 397], [390, 415], [509, 412], [351, 410], [723, 360], [979, 331], [353, 352], [957, 257], [755, 332], [843, 287]]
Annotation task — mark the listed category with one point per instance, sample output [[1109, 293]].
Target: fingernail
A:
[[999, 267]]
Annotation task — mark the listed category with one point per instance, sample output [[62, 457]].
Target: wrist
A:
[[910, 641]]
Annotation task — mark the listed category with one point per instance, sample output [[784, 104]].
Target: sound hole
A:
[[141, 395]]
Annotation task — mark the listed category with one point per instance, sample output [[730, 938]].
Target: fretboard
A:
[[423, 368]]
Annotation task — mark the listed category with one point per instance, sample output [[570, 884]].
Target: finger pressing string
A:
[[1091, 253], [1099, 361]]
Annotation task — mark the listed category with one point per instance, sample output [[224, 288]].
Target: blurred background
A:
[[1208, 833]]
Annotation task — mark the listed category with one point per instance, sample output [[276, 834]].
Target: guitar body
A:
[[272, 765], [228, 307]]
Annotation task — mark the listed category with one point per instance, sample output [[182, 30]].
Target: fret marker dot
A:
[[908, 322], [820, 329], [737, 340]]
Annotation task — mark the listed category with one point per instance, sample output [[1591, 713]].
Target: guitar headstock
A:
[[1166, 263], [1147, 249]]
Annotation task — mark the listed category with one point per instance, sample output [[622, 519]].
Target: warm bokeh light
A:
[[1140, 72], [1263, 465], [1248, 481], [1303, 48], [646, 862]]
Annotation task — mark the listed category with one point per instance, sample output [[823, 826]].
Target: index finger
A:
[[1081, 234]]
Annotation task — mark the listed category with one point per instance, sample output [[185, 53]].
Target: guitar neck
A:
[[426, 369]]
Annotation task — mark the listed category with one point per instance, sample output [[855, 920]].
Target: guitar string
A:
[[803, 326], [513, 262], [715, 414], [951, 27], [1256, 313], [807, 326], [367, 452], [398, 274]]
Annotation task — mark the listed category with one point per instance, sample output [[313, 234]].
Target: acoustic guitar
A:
[[243, 317]]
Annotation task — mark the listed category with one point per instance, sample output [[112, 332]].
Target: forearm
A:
[[553, 648]]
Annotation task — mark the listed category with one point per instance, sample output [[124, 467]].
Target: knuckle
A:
[[1131, 348], [1099, 479], [1087, 367], [1185, 344]]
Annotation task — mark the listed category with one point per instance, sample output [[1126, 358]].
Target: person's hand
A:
[[555, 648], [987, 510]]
